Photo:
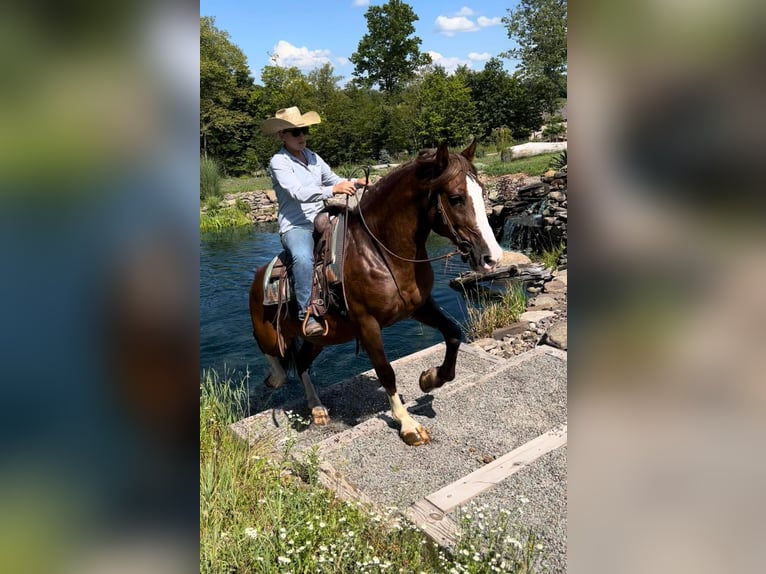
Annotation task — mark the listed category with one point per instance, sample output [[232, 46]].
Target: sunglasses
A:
[[295, 132]]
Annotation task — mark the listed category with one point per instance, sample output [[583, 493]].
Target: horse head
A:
[[458, 198]]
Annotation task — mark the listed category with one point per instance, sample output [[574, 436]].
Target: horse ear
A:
[[468, 152], [442, 157]]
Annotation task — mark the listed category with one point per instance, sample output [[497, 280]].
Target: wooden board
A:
[[489, 476]]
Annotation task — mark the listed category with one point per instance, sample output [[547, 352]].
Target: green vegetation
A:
[[243, 183], [263, 512], [539, 28], [550, 257], [398, 100], [535, 165], [209, 179], [221, 217], [489, 310]]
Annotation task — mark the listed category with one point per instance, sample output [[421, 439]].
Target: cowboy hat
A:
[[287, 118]]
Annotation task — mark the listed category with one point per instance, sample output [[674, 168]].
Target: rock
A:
[[556, 336], [510, 331], [536, 316], [541, 302], [555, 286], [514, 258], [557, 196]]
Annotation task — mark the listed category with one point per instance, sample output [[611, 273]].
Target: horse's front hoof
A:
[[429, 380], [415, 437], [320, 416]]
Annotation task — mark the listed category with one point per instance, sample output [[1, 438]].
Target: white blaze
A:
[[480, 214]]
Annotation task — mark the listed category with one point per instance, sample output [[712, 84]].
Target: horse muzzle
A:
[[478, 257]]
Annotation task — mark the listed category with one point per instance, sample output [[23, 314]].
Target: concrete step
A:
[[498, 438], [470, 425], [361, 398]]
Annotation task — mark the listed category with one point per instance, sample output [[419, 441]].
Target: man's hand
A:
[[344, 187]]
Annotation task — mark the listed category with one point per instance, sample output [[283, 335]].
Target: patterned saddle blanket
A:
[[328, 244]]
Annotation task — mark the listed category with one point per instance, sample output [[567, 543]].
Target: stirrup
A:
[[305, 322]]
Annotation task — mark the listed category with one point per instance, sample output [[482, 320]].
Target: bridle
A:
[[463, 247]]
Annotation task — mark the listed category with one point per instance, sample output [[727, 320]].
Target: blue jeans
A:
[[300, 244]]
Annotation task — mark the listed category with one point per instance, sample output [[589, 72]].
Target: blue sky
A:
[[308, 34]]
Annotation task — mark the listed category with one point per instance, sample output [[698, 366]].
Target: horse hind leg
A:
[[306, 356], [277, 375]]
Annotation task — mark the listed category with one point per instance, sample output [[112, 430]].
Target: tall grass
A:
[[488, 310], [209, 178], [257, 515]]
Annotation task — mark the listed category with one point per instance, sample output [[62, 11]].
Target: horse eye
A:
[[456, 200]]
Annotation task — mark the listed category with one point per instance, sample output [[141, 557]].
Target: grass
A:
[[488, 310], [535, 165], [261, 513], [216, 218], [242, 184], [550, 257], [209, 178]]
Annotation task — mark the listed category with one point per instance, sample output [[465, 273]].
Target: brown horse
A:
[[388, 276]]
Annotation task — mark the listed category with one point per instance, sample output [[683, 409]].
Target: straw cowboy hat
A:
[[287, 118]]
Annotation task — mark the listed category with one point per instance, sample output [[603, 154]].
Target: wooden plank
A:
[[332, 479], [434, 522], [489, 476]]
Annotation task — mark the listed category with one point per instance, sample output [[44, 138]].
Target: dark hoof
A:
[[429, 380]]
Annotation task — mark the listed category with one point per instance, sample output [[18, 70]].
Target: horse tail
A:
[[289, 360]]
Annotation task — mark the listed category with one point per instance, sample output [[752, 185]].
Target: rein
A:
[[440, 211]]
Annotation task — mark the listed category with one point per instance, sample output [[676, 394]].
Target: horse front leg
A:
[[430, 314], [411, 431], [304, 360]]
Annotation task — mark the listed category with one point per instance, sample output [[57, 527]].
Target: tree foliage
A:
[[397, 103], [540, 29], [225, 86], [388, 55]]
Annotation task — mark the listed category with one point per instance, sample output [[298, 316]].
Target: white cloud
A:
[[361, 2], [465, 11], [474, 57], [449, 64], [452, 26], [485, 22], [286, 55]]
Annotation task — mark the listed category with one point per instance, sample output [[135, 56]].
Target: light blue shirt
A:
[[300, 189]]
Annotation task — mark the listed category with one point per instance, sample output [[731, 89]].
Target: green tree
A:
[[441, 109], [225, 86], [540, 29], [388, 55]]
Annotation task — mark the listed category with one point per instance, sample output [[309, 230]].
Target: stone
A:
[[541, 302], [557, 196], [536, 316], [510, 331], [555, 286], [556, 336], [514, 258]]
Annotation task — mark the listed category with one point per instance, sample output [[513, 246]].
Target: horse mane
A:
[[422, 169]]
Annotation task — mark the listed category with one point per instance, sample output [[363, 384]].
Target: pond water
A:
[[228, 260]]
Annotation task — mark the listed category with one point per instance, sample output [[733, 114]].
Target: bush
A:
[[209, 178]]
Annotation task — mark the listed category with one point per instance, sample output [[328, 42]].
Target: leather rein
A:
[[439, 209]]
